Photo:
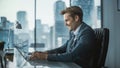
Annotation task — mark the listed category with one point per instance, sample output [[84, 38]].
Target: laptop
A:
[[26, 56]]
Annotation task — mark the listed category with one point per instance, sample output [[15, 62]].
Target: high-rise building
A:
[[22, 19], [6, 32], [87, 7], [3, 21], [23, 35], [51, 37], [99, 12], [39, 31], [45, 35], [60, 29], [59, 6]]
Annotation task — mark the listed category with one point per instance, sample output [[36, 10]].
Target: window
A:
[[12, 13], [50, 24], [42, 24], [91, 11]]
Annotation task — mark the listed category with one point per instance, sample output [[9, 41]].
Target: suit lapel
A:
[[71, 46]]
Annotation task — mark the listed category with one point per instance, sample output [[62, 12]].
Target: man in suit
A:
[[79, 47]]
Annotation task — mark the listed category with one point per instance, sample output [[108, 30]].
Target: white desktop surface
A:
[[38, 64], [49, 64]]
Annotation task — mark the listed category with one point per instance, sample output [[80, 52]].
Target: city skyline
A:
[[28, 6], [40, 40]]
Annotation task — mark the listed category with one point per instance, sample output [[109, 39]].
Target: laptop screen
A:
[[25, 55]]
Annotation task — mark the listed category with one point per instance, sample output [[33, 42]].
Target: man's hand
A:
[[39, 55]]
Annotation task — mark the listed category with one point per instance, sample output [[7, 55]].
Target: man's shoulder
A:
[[85, 27]]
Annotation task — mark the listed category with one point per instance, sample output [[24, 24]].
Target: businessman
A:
[[79, 47]]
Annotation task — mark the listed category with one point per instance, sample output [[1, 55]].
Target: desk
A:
[[20, 62], [43, 64], [48, 64]]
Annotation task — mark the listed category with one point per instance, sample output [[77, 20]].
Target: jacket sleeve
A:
[[61, 49], [82, 49]]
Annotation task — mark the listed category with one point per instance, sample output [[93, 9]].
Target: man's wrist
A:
[[46, 56]]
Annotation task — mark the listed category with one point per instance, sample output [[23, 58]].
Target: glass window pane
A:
[[51, 30], [48, 26], [13, 11], [17, 26], [91, 11]]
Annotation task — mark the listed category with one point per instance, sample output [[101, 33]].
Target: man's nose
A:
[[66, 24]]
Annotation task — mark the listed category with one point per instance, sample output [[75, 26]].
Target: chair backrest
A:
[[102, 40], [2, 45]]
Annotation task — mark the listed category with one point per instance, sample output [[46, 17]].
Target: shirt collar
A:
[[77, 30]]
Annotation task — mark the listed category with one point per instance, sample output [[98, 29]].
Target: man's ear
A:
[[76, 18]]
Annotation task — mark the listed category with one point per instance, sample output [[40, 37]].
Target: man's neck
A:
[[77, 29], [77, 25]]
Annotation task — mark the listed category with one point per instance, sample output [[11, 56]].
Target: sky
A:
[[44, 10]]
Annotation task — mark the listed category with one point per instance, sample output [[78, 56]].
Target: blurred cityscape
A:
[[46, 37]]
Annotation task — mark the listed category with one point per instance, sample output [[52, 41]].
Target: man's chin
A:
[[70, 29]]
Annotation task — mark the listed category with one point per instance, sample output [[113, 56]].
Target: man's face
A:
[[69, 21]]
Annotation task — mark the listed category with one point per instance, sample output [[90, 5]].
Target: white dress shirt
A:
[[76, 31]]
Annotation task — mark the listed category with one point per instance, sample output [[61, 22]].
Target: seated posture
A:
[[80, 45]]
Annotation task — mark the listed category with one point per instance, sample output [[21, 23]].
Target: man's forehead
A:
[[67, 15]]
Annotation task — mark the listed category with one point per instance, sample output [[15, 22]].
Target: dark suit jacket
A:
[[81, 52]]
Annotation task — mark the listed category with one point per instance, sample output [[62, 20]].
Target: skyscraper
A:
[[87, 7], [39, 31], [61, 31], [22, 19], [6, 32], [23, 35], [51, 37], [3, 21], [99, 12]]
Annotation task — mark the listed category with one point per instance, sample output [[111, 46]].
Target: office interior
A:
[[39, 34]]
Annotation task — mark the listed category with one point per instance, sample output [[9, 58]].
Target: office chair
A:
[[102, 40]]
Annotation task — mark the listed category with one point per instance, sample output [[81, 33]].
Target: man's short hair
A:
[[73, 10]]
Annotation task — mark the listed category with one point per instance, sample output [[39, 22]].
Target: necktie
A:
[[73, 42]]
